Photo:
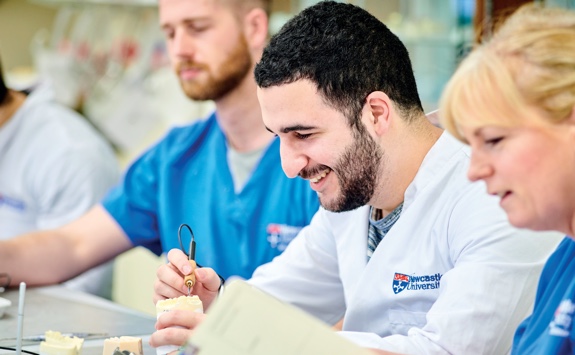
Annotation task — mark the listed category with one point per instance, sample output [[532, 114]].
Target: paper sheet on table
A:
[[247, 321]]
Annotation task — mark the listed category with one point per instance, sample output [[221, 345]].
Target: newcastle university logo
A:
[[12, 203], [563, 318], [400, 282], [280, 235], [412, 282]]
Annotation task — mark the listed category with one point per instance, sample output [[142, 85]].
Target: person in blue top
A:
[[221, 176], [513, 100]]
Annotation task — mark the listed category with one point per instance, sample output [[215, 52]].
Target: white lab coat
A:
[[465, 277], [53, 168]]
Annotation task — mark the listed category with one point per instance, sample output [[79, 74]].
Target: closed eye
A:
[[195, 28], [296, 130], [168, 32], [493, 141], [301, 135]]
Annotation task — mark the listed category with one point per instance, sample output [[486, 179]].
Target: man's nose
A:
[[293, 160], [183, 44]]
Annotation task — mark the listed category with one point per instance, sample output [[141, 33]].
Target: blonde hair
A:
[[528, 66]]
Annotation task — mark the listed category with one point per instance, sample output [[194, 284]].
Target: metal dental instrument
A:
[[21, 297], [189, 280]]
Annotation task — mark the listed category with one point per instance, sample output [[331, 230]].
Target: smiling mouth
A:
[[320, 176], [502, 195]]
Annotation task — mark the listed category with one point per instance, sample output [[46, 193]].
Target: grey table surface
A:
[[61, 309]]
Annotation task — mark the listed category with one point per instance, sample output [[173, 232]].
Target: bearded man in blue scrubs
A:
[[221, 176]]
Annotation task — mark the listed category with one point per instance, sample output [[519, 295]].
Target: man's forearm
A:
[[39, 258]]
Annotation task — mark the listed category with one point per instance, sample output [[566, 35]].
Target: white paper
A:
[[247, 321]]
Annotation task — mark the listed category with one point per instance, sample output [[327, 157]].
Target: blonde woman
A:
[[512, 99]]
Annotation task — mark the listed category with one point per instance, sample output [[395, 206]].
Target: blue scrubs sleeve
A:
[[133, 203]]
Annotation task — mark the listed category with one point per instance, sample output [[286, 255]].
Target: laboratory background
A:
[[106, 59]]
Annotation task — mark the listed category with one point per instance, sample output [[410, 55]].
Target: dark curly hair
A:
[[347, 53]]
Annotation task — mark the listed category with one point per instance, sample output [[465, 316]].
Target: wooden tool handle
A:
[[190, 279]]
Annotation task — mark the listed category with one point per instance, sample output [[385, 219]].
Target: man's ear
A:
[[377, 110], [256, 28]]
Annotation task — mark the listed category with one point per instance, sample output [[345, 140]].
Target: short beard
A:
[[357, 171], [221, 80]]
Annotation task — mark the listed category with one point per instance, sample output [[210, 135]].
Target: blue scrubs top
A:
[[185, 178], [549, 330]]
